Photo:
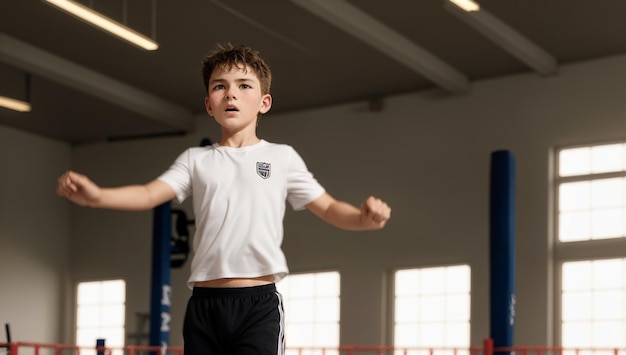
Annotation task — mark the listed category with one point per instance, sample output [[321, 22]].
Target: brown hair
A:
[[226, 56]]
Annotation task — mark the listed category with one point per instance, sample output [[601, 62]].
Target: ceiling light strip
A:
[[105, 23], [14, 104], [466, 5]]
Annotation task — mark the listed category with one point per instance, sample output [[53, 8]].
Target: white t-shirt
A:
[[239, 204]]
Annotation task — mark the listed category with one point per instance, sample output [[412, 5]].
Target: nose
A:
[[230, 94]]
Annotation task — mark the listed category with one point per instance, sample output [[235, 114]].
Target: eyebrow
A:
[[242, 80]]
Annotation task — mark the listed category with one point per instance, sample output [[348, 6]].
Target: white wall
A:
[[427, 154], [34, 238]]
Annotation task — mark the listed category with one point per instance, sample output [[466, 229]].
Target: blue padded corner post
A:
[[161, 288], [502, 248]]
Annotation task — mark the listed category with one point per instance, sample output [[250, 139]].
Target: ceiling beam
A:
[[373, 32], [55, 68], [508, 38]]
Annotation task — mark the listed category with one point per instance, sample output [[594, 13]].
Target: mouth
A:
[[232, 109]]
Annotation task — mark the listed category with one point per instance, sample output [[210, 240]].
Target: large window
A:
[[100, 314], [311, 304], [590, 250], [432, 308]]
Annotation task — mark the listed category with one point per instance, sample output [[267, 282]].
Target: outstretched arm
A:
[[373, 213], [81, 190]]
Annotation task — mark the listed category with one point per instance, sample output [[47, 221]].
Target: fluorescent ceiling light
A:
[[508, 38], [371, 31], [467, 5], [13, 104], [105, 23]]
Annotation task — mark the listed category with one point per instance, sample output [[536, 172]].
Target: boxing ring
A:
[[28, 348]]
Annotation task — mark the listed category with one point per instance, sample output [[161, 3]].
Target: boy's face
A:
[[234, 98]]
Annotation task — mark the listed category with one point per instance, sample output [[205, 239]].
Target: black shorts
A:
[[246, 320]]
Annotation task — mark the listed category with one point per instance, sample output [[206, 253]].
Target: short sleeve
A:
[[302, 187], [178, 176]]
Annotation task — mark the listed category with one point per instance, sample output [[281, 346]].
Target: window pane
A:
[[88, 316], [574, 196], [457, 334], [406, 309], [576, 306], [575, 161], [574, 226], [327, 310], [407, 282], [576, 276], [607, 274], [113, 315], [432, 307], [406, 334], [607, 158], [457, 308], [606, 223], [608, 305], [299, 335], [89, 293], [431, 334], [326, 334], [609, 334], [458, 279], [299, 311], [432, 281], [576, 334], [606, 193], [115, 291]]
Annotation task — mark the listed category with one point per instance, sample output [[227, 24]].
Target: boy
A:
[[239, 187]]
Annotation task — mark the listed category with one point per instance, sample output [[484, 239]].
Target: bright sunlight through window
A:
[[100, 314], [593, 310], [591, 189], [432, 309], [311, 304]]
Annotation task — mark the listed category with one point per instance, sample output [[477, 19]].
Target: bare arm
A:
[[81, 190], [373, 213]]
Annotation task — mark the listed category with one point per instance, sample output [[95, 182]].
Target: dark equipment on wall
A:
[[179, 242]]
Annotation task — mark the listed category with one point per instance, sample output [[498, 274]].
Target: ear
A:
[[207, 106], [266, 103]]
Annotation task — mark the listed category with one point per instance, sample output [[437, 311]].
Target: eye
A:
[[245, 86], [218, 87]]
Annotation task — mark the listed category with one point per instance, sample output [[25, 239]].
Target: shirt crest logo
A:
[[263, 169]]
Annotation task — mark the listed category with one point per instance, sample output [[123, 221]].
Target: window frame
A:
[[581, 250]]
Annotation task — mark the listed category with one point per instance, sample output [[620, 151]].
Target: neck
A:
[[238, 142]]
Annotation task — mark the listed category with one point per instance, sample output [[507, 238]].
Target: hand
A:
[[77, 188], [375, 213]]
